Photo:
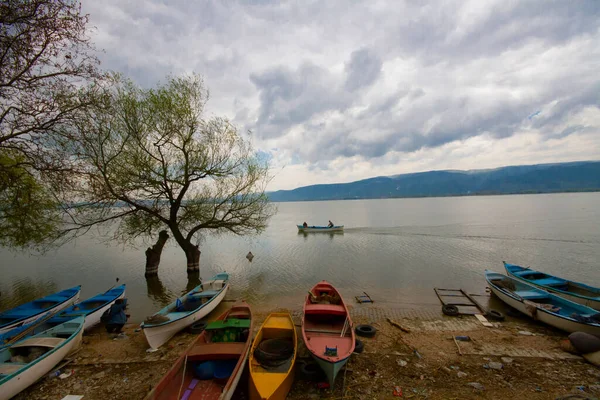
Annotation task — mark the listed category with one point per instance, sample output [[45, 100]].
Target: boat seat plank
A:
[[176, 315], [549, 282], [40, 341], [214, 351], [229, 323], [206, 293], [331, 309], [10, 368], [525, 273], [531, 295]]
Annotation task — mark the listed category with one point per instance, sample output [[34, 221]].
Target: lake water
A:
[[397, 250]]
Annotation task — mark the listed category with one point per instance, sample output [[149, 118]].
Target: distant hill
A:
[[542, 178]]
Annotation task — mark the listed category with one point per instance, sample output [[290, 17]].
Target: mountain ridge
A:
[[577, 176]]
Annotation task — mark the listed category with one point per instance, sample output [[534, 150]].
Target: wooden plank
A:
[[484, 321]]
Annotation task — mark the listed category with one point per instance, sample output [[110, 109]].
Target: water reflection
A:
[[330, 234], [192, 281], [25, 290], [157, 291]]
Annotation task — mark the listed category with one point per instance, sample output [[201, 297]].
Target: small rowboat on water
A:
[[211, 367], [29, 312], [574, 291], [543, 306], [183, 312], [272, 358], [92, 309], [313, 228], [26, 361], [327, 329]]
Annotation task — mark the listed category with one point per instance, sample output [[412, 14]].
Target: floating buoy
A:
[[250, 256]]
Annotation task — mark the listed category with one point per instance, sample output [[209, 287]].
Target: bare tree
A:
[[151, 161], [46, 69]]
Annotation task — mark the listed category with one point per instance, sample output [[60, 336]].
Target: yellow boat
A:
[[272, 358]]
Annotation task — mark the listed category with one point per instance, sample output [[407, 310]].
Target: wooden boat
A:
[[574, 291], [543, 306], [29, 312], [327, 329], [28, 360], [213, 364], [183, 312], [272, 377], [315, 228], [92, 309]]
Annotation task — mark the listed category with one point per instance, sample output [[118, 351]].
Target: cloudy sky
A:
[[336, 91]]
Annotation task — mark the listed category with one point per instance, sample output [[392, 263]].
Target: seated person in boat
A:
[[330, 225], [305, 224], [116, 317]]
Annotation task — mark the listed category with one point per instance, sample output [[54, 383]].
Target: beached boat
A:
[[28, 360], [544, 306], [186, 310], [313, 228], [91, 309], [272, 358], [327, 329], [211, 367], [29, 312], [574, 291]]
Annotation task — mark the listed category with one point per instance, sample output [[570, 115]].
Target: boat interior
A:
[[19, 355], [542, 279], [211, 360], [278, 336]]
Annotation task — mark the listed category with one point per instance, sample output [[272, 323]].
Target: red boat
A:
[[327, 329], [213, 364]]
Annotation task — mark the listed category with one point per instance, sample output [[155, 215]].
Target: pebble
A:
[[507, 360], [461, 374], [493, 365], [99, 375], [525, 333], [401, 363], [476, 385]]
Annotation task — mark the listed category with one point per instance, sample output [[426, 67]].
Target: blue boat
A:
[[26, 361], [31, 311], [574, 291], [92, 309], [315, 228], [544, 306]]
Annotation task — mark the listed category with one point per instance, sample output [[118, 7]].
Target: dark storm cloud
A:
[[362, 70]]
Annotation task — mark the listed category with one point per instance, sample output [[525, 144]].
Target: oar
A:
[[113, 286]]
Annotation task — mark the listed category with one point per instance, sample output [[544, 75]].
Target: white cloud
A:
[[347, 90]]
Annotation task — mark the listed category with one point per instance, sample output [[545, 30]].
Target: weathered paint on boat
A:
[[570, 290], [179, 382], [29, 312], [528, 299], [335, 228], [265, 383], [322, 326], [60, 341], [214, 290]]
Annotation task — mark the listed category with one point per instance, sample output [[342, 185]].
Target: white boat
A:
[[186, 310], [325, 229], [543, 306], [29, 312], [38, 355]]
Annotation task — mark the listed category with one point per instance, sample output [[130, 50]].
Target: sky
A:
[[338, 90]]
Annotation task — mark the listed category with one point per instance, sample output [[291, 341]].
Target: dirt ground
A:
[[424, 364]]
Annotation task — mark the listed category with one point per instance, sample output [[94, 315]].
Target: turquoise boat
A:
[[26, 361], [29, 312], [92, 309], [315, 228], [573, 291]]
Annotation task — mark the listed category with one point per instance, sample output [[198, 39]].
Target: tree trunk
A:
[[192, 254], [153, 254]]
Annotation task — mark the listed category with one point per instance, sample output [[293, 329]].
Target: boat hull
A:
[[93, 319], [263, 383], [59, 307], [39, 368], [331, 369], [160, 334], [583, 300], [325, 229], [542, 315]]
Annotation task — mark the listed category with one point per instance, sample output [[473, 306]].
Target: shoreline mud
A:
[[516, 358]]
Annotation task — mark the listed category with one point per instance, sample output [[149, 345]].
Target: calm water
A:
[[397, 250]]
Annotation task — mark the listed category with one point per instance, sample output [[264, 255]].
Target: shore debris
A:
[[397, 325], [493, 365], [476, 385], [250, 256], [397, 391]]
